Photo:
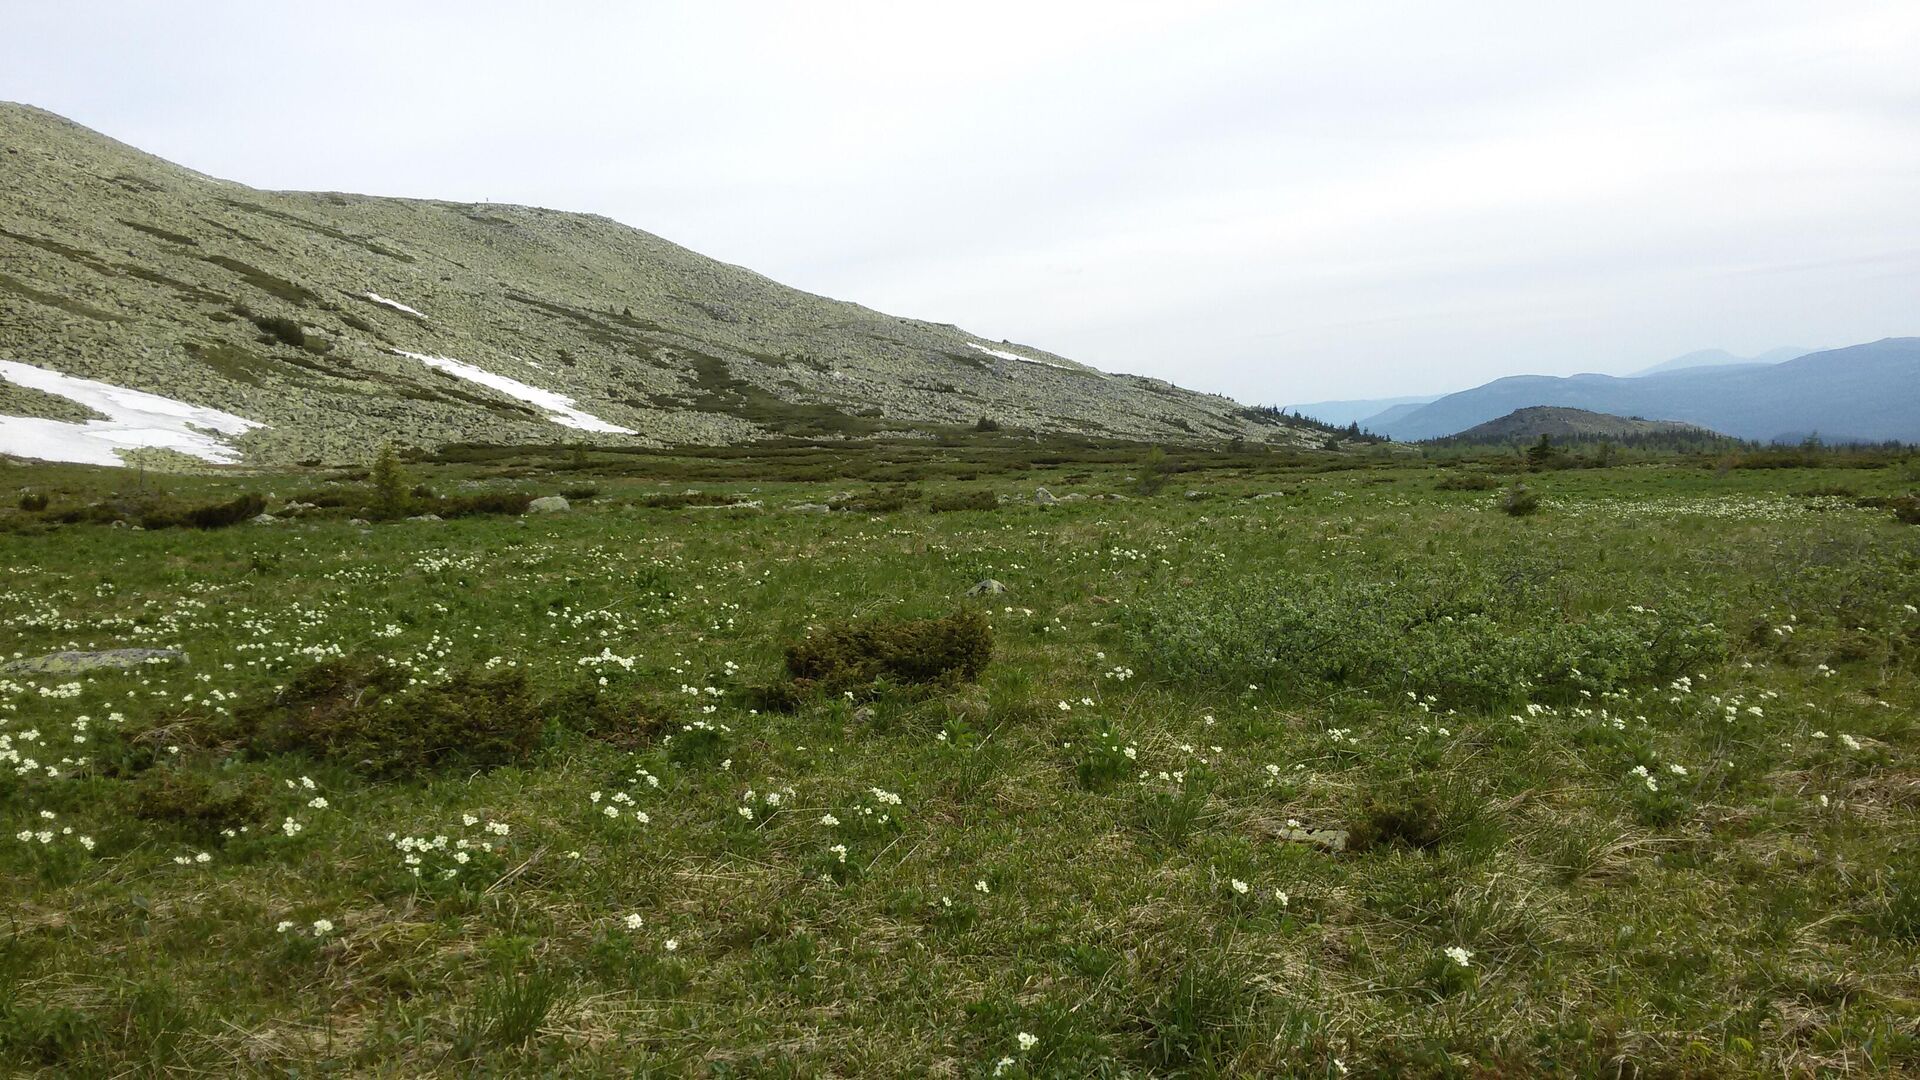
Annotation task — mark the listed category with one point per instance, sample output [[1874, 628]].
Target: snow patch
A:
[[394, 304], [1004, 355], [559, 408], [135, 420]]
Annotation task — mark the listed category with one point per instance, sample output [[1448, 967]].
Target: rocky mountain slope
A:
[[1527, 425], [1862, 392], [318, 325]]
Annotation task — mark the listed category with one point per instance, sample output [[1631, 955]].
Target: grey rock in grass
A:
[[71, 663], [1043, 497], [425, 517], [265, 519], [1074, 496], [986, 587], [549, 504], [358, 521], [811, 508], [1330, 839]]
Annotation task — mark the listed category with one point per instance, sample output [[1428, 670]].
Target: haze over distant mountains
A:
[[1723, 358], [1372, 413], [1867, 392]]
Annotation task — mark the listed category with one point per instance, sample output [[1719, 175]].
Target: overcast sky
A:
[[1279, 201]]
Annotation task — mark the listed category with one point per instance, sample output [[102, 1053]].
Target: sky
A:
[[1280, 201]]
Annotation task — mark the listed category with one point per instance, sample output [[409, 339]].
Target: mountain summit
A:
[[317, 325]]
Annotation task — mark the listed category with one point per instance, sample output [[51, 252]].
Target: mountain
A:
[[1865, 392], [1722, 358], [1379, 422], [1568, 425], [1342, 413], [153, 304]]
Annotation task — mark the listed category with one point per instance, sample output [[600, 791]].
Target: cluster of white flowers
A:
[[441, 857], [606, 659], [46, 834], [320, 927]]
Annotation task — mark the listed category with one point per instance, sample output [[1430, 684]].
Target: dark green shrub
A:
[[1519, 501], [685, 499], [354, 712], [1543, 455], [390, 497], [876, 502], [326, 499], [580, 494], [1403, 815], [964, 500], [1467, 481], [288, 332], [1906, 509], [198, 804], [1154, 472], [33, 502], [986, 423], [49, 1036], [613, 716], [221, 515], [486, 502], [849, 656]]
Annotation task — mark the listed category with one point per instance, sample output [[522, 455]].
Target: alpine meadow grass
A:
[[1338, 767]]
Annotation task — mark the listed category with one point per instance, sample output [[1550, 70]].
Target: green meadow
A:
[[1249, 764]]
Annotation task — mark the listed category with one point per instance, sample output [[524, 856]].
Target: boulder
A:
[[1043, 497], [549, 504], [71, 663], [986, 587]]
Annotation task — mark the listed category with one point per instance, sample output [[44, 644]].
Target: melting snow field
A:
[[135, 420], [394, 304], [1016, 356], [559, 408]]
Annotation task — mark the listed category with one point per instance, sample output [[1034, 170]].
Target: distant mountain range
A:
[[1378, 414], [1723, 358], [1571, 425], [1865, 392], [1342, 413]]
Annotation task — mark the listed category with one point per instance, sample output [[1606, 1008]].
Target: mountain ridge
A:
[[1866, 392], [1559, 422], [336, 321]]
